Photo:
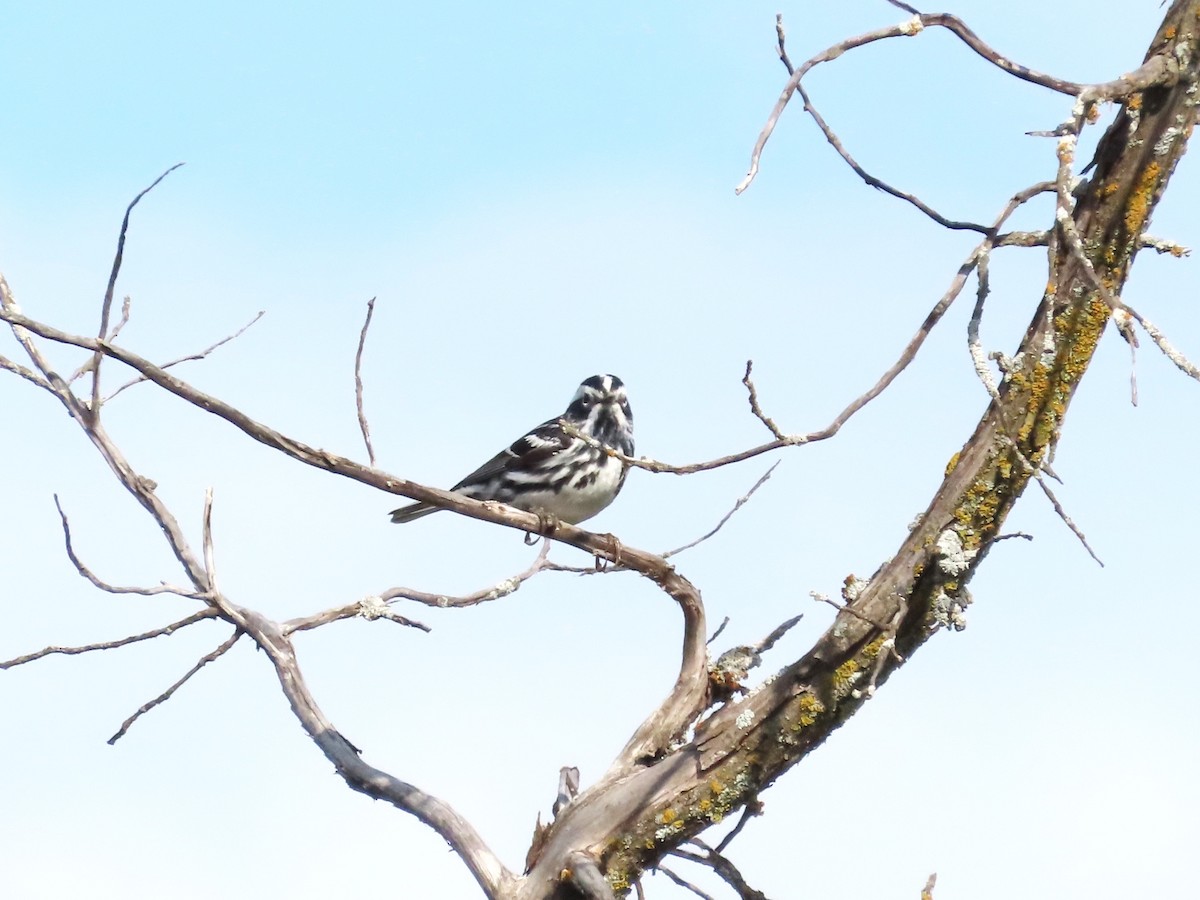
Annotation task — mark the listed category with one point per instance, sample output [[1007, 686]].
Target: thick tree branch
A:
[[753, 740]]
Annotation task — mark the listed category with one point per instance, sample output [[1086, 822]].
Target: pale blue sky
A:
[[536, 194]]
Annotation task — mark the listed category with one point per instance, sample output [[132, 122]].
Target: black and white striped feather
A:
[[551, 472]]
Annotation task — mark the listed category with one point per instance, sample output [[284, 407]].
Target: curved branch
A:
[[1160, 69]]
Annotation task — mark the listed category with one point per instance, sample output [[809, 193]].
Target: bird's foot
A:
[[614, 550], [547, 524]]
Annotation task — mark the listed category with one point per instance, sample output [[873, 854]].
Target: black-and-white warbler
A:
[[554, 473]]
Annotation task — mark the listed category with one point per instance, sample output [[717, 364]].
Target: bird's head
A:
[[600, 408]]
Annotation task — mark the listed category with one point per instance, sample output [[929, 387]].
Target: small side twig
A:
[[376, 606], [104, 585], [724, 869], [358, 384], [191, 357], [167, 694], [755, 408], [210, 562], [716, 634], [684, 883], [111, 645], [837, 145], [369, 608], [753, 808], [741, 501], [28, 374]]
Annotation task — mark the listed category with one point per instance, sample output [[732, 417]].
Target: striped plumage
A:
[[550, 472]]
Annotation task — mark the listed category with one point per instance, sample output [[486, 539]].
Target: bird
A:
[[551, 472]]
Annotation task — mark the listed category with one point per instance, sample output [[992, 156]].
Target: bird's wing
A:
[[527, 452]]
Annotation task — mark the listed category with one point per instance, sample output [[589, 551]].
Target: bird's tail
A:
[[411, 512]]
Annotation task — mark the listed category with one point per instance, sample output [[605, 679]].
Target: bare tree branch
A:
[[724, 869], [106, 307], [741, 501], [169, 692], [495, 592], [105, 586], [28, 374], [1159, 70], [191, 357], [862, 173], [369, 608], [210, 563], [485, 866], [684, 883], [126, 308], [752, 809], [110, 645], [755, 408], [358, 384]]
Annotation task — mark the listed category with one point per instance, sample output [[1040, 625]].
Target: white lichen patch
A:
[[1164, 144], [371, 608], [745, 719], [955, 558], [949, 612], [854, 587]]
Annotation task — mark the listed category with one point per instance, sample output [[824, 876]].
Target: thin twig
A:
[[210, 562], [376, 606], [723, 868], [1062, 514], [741, 501], [166, 695], [837, 145], [103, 585], [358, 384], [106, 307], [191, 357], [200, 616], [716, 634], [28, 374], [846, 608], [126, 306], [684, 883], [1158, 70], [753, 809], [1013, 534], [755, 408], [930, 884], [369, 608], [780, 630]]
